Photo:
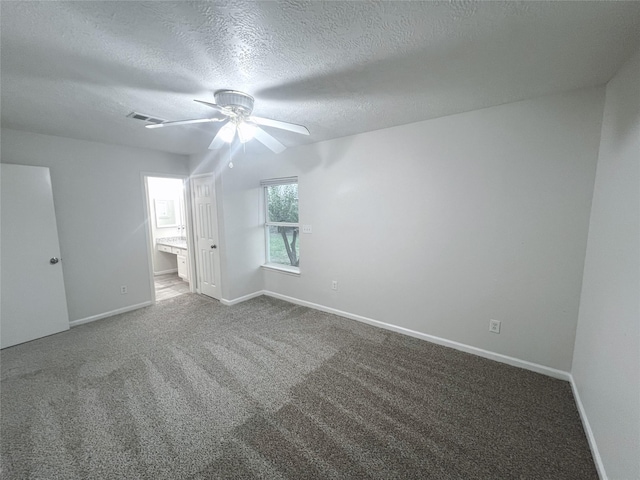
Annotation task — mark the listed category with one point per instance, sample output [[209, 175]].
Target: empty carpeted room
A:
[[402, 240]]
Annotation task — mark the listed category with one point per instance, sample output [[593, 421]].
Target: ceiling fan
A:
[[234, 109]]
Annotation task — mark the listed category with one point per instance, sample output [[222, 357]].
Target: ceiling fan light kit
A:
[[234, 108], [227, 132], [246, 131]]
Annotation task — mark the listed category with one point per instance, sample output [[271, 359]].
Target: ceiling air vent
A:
[[144, 118]]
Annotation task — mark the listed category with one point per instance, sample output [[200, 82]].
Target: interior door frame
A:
[[211, 175], [188, 232]]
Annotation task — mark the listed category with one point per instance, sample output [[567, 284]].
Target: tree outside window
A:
[[282, 229]]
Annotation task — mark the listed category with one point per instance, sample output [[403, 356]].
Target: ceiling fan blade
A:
[[217, 141], [183, 122], [222, 110], [271, 143], [292, 127]]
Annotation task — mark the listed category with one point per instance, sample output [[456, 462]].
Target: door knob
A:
[[54, 260], [214, 246]]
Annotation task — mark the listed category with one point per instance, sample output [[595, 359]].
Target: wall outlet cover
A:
[[494, 326], [306, 229]]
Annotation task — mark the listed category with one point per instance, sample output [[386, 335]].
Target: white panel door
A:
[[33, 302], [206, 233]]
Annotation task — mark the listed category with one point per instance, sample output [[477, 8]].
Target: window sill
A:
[[295, 271]]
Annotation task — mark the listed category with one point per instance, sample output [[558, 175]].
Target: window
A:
[[281, 227]]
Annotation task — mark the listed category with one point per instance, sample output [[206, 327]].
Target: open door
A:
[[33, 301], [169, 235], [206, 235]]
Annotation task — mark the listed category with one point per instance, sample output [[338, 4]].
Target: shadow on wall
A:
[[624, 121], [323, 154], [305, 158]]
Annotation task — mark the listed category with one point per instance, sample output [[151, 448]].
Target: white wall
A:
[[606, 362], [99, 200], [439, 226]]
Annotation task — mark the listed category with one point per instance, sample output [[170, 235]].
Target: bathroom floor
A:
[[169, 285]]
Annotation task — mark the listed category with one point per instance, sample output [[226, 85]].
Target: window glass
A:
[[283, 245], [283, 203], [282, 231]]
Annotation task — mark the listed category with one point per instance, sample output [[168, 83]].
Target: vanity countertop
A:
[[179, 242]]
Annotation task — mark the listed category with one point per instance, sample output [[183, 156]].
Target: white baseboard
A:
[[498, 357], [164, 272], [244, 298], [587, 429], [93, 318]]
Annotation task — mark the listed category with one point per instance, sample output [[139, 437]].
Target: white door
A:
[[206, 233], [33, 303]]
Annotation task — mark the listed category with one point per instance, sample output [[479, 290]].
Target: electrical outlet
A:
[[334, 285], [494, 326], [123, 290], [306, 229]]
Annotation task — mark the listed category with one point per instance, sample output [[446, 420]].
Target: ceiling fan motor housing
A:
[[239, 102]]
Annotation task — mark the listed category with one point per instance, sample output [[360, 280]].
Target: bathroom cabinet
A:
[[168, 245], [183, 266]]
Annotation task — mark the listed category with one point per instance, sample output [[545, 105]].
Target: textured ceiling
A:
[[76, 69]]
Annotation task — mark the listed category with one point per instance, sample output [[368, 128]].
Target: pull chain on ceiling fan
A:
[[234, 109]]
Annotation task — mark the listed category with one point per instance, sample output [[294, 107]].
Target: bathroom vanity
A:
[[176, 246]]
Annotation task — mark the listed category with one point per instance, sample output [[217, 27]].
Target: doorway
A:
[[169, 247]]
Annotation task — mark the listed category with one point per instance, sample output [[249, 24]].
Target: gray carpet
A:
[[265, 389]]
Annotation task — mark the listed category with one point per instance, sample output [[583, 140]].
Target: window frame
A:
[[265, 184]]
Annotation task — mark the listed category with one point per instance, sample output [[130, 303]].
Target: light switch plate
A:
[[306, 229]]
